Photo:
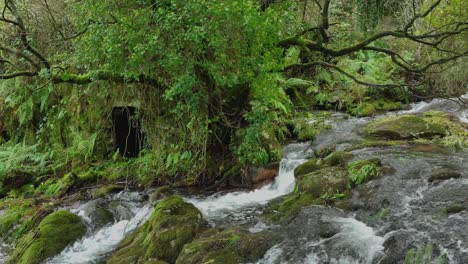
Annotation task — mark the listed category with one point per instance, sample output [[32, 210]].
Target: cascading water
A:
[[219, 205], [94, 247]]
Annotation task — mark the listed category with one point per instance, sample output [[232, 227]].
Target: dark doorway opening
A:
[[127, 131]]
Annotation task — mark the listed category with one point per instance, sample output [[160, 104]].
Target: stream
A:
[[390, 214]]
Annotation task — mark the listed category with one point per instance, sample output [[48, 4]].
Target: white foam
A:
[[94, 247], [284, 183], [358, 236]]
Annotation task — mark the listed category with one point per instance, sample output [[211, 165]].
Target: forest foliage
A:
[[220, 84]]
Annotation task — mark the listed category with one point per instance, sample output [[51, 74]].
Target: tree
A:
[[438, 38]]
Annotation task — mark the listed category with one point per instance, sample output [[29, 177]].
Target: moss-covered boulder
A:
[[107, 189], [229, 246], [324, 151], [325, 181], [55, 232], [308, 167], [160, 193], [173, 224], [376, 143], [338, 158], [289, 205], [404, 127]]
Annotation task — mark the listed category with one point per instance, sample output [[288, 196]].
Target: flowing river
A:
[[389, 214]]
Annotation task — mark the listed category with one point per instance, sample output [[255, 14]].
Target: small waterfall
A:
[[219, 204], [355, 243], [450, 106], [96, 246]]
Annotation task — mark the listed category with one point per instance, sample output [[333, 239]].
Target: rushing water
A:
[[96, 246], [222, 205], [409, 206]]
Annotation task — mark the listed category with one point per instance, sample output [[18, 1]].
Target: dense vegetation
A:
[[218, 88], [219, 85]]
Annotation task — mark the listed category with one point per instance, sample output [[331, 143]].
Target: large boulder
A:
[[404, 127], [55, 232], [230, 246], [173, 224], [329, 180]]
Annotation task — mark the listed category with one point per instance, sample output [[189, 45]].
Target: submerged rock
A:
[[173, 224], [444, 175], [55, 232], [229, 246], [99, 214], [404, 127]]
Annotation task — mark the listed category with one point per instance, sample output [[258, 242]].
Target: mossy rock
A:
[[364, 109], [308, 167], [444, 175], [55, 232], [325, 181], [376, 144], [454, 209], [325, 151], [229, 246], [404, 127], [338, 158], [107, 189], [173, 224], [160, 193], [290, 205]]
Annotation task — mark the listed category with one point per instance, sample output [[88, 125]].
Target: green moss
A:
[[364, 109], [375, 144], [229, 246], [308, 167], [308, 126], [107, 189], [291, 205], [361, 171], [54, 187], [388, 105], [453, 209], [338, 158], [329, 180], [371, 108], [325, 151], [404, 127], [172, 225], [8, 220], [54, 233], [457, 134]]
